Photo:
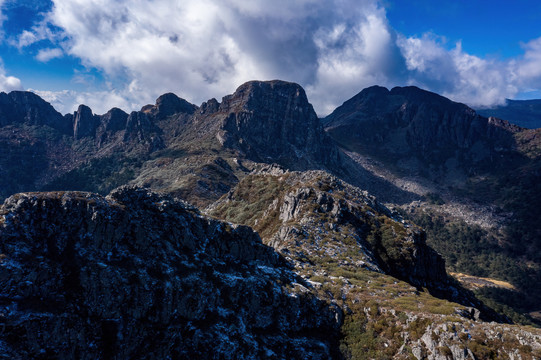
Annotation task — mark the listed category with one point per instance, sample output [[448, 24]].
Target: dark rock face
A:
[[114, 120], [84, 122], [209, 107], [22, 107], [141, 275], [274, 122], [169, 104], [410, 121], [109, 125], [140, 128], [23, 159]]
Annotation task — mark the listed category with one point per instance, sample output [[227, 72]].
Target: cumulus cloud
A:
[[454, 73], [354, 56], [528, 68], [206, 48], [8, 83], [202, 48]]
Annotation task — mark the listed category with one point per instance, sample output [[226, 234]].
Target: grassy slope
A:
[[378, 309]]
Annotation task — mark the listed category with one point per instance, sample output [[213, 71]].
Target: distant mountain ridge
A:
[[524, 113], [410, 122]]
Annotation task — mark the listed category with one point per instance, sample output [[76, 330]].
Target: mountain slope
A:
[[476, 177], [421, 132], [346, 245]]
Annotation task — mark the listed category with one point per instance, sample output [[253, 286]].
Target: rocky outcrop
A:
[[141, 130], [23, 107], [114, 120], [109, 125], [468, 341], [273, 122], [84, 122], [314, 211], [209, 107], [138, 274], [167, 105], [318, 221]]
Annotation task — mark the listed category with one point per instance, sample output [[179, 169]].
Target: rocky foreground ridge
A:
[[140, 275]]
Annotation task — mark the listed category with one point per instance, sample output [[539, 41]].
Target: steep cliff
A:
[[22, 107], [137, 274], [273, 122]]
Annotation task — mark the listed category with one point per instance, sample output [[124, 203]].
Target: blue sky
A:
[[126, 53], [486, 28]]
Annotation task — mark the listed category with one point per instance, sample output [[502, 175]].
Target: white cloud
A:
[[45, 55], [67, 101], [528, 68], [202, 48], [454, 73], [206, 48], [8, 83], [353, 56]]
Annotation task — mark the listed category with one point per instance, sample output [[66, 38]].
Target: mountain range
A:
[[314, 238], [525, 113]]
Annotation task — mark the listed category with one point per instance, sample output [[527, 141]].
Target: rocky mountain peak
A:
[[257, 95], [114, 120], [24, 107], [273, 121], [414, 94], [408, 121], [167, 105], [209, 106], [84, 122], [141, 129], [368, 100]]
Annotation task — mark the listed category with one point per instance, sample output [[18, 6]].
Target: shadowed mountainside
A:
[[467, 168]]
